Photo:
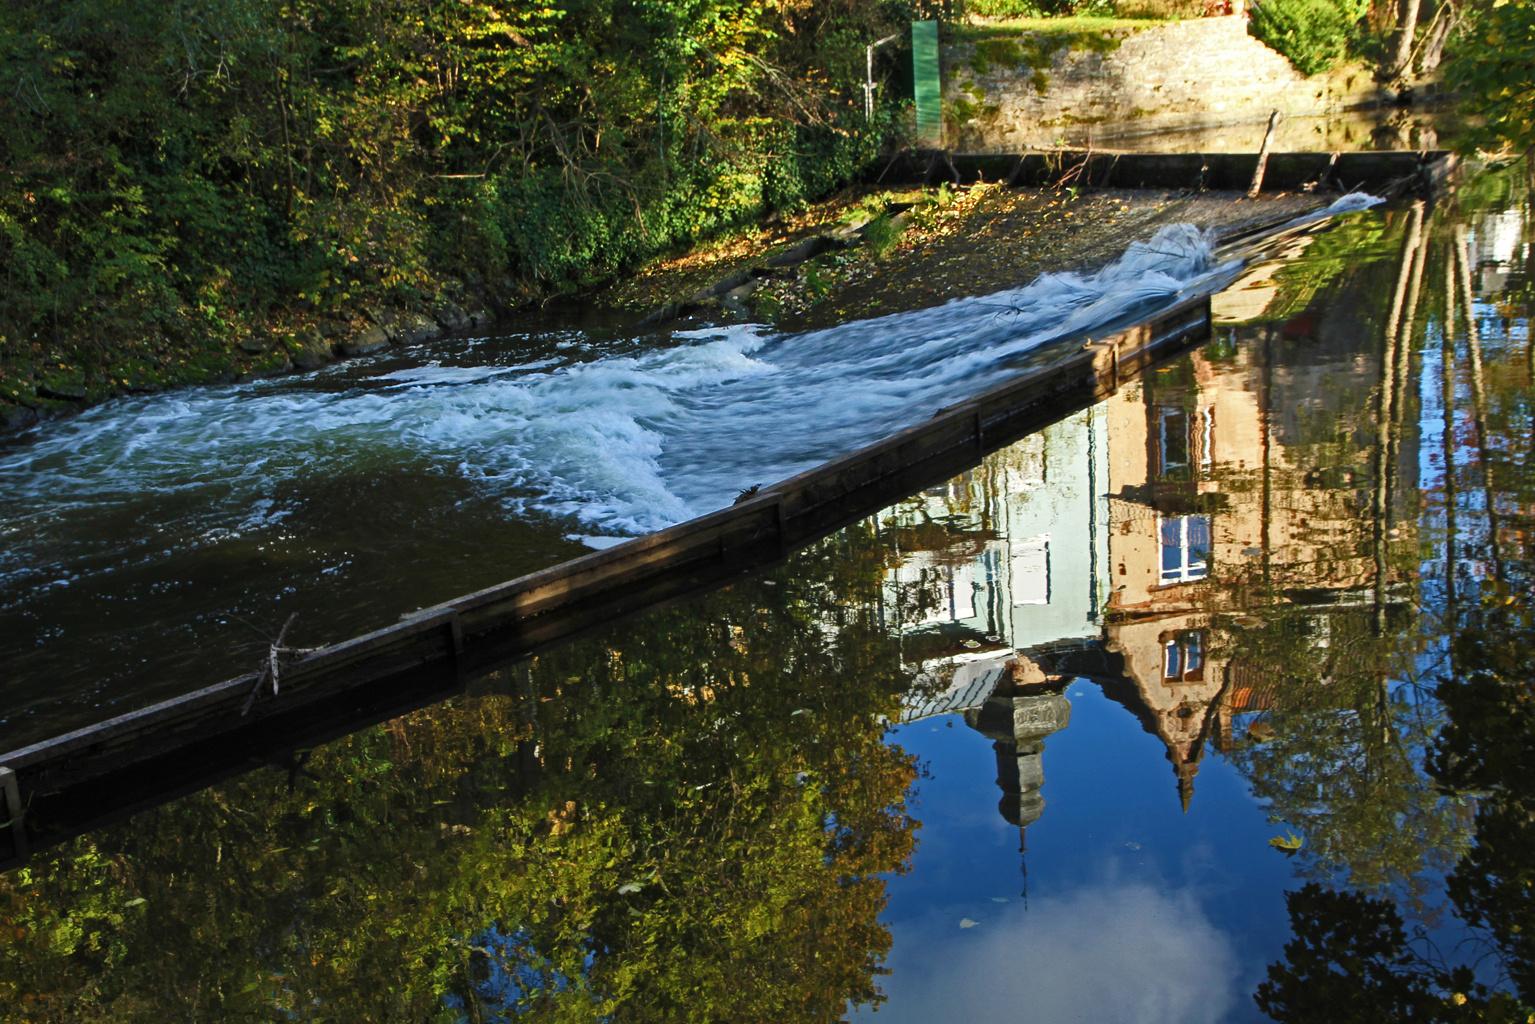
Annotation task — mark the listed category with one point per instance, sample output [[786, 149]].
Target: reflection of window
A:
[[1182, 439], [1183, 657], [1173, 438], [1207, 438], [1031, 570], [1185, 549]]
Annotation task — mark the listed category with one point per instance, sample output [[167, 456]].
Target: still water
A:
[[1209, 703]]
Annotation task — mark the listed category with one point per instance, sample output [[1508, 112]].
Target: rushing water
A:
[[1219, 688], [152, 545]]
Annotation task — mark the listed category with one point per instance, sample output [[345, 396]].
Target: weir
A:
[[1382, 172], [83, 779]]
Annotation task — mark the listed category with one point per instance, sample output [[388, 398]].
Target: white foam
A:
[[597, 543], [435, 373], [622, 444]]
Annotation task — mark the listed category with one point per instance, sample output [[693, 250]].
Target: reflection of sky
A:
[[1135, 911]]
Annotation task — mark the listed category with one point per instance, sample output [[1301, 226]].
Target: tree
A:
[[1492, 70], [683, 820]]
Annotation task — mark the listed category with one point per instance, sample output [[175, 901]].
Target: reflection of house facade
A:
[[1012, 550], [1181, 507], [1220, 495]]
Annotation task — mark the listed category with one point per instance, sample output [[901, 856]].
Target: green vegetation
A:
[[991, 52], [1039, 9], [1317, 35], [683, 820], [1077, 32], [1492, 69], [883, 234], [174, 178]]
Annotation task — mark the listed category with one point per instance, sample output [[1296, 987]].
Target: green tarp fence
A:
[[924, 65]]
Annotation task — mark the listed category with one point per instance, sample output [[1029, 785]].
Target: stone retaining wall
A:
[[1032, 90]]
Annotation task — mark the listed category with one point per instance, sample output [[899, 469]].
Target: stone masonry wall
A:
[[1033, 90]]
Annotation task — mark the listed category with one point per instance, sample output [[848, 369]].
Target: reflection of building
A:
[[1017, 718], [1012, 550], [1237, 480], [1230, 491]]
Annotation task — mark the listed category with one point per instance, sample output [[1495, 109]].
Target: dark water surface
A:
[[1219, 688]]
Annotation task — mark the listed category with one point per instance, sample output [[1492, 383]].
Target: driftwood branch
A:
[[1263, 157], [271, 665]]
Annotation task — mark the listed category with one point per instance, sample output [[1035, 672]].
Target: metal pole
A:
[[868, 79]]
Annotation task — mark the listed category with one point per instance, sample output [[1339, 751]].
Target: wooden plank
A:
[[1286, 172]]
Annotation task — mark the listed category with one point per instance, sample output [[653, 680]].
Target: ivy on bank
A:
[[177, 173]]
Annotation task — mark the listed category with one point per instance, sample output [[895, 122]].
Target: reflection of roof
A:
[[974, 680], [1251, 688]]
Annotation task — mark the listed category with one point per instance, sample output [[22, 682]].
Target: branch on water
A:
[[271, 665]]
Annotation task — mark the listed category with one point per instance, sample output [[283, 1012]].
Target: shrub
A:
[[882, 234], [1316, 35]]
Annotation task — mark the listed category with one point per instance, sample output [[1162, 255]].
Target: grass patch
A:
[[1072, 26], [882, 234]]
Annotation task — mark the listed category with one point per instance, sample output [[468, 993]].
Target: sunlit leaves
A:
[[1491, 67]]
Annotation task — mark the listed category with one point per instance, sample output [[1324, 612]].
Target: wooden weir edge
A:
[[1289, 172], [82, 779]]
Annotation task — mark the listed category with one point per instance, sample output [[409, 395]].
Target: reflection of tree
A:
[[1350, 962], [681, 820], [1326, 619], [1489, 749], [1350, 958], [1340, 758]]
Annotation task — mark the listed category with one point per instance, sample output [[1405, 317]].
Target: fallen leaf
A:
[[1289, 843]]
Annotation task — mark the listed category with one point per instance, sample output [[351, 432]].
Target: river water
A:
[[152, 546], [1217, 689]]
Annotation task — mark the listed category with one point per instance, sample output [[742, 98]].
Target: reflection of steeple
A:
[[1026, 707], [1186, 772]]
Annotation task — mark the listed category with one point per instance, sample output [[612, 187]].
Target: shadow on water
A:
[[1265, 614]]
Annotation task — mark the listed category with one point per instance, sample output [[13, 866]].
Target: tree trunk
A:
[[1403, 65], [1433, 50]]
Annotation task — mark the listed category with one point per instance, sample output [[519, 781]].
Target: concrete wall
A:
[[1017, 91]]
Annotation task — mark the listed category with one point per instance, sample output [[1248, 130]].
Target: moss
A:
[[276, 359], [1095, 42], [1036, 51], [1039, 50], [1073, 26], [993, 52], [1066, 120], [960, 111]]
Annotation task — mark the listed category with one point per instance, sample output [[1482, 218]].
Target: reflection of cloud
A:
[[1127, 954]]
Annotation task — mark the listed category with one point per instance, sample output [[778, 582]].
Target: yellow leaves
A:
[[1289, 843]]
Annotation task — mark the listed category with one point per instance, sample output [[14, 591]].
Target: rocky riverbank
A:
[[888, 252]]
